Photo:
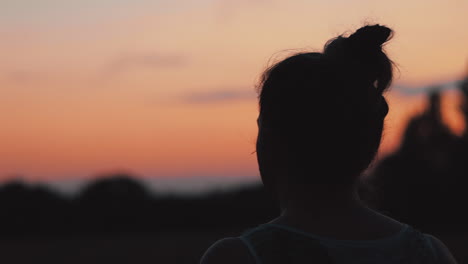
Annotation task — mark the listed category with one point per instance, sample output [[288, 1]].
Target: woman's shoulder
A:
[[441, 252], [230, 250], [233, 250]]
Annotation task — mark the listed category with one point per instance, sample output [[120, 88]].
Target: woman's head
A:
[[321, 114]]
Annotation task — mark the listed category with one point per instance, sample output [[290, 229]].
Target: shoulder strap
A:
[[250, 241], [431, 247]]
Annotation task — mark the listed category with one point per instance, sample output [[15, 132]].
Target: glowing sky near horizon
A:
[[166, 88]]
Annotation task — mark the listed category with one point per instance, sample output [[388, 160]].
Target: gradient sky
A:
[[166, 88]]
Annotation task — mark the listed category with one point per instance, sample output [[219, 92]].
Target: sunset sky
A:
[[166, 88]]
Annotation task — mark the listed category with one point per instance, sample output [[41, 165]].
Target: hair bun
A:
[[370, 37], [361, 56]]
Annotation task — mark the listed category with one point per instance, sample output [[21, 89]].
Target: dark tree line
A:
[[119, 204]]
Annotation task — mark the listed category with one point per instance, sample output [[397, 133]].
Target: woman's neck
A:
[[319, 196], [335, 213], [322, 202]]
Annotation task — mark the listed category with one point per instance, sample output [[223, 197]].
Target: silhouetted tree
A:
[[421, 183], [114, 188], [113, 203], [26, 208]]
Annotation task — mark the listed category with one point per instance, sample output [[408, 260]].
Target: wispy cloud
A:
[[418, 90], [148, 60], [218, 96]]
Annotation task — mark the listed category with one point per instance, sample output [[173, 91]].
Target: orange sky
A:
[[165, 88]]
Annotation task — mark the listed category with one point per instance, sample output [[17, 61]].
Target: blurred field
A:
[[184, 247]]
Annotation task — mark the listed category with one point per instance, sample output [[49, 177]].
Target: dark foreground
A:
[[168, 248]]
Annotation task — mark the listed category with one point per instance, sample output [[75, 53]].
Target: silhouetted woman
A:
[[320, 126]]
